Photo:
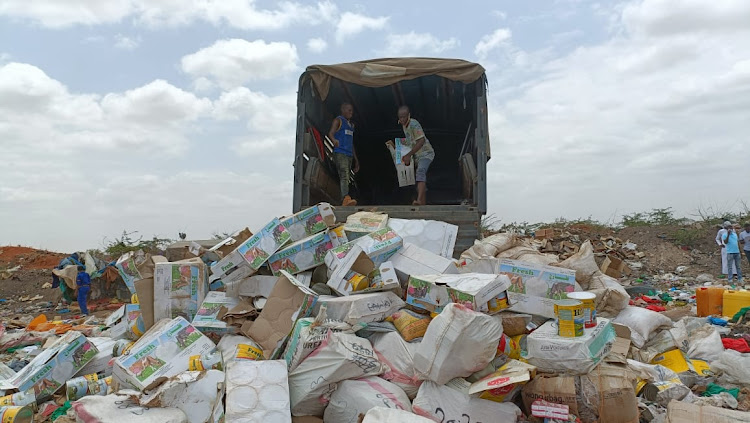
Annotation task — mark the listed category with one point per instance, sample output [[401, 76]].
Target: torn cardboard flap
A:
[[239, 313], [621, 345], [413, 260], [288, 301], [357, 274], [144, 288], [228, 245]]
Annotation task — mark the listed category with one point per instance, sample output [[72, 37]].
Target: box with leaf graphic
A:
[[164, 351]]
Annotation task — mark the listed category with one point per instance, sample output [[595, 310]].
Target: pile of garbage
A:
[[373, 321]]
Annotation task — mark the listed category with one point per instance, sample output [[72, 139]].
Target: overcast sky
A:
[[162, 116]]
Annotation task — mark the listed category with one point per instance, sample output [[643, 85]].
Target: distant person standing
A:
[[745, 240], [83, 285], [342, 136], [719, 238], [731, 245]]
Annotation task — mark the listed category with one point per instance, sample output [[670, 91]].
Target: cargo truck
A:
[[447, 96]]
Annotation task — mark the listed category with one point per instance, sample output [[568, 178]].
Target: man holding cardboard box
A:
[[421, 151]]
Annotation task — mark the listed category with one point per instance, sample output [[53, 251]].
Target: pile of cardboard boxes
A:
[[370, 320]]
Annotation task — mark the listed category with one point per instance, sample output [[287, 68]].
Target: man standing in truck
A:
[[421, 151], [342, 136]]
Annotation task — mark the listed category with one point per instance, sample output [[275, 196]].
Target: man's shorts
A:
[[423, 165]]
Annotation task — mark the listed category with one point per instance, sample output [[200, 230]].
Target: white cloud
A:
[[242, 14], [234, 62], [492, 41], [317, 45], [659, 18], [351, 24], [126, 43], [637, 121], [417, 44], [154, 116], [271, 120]]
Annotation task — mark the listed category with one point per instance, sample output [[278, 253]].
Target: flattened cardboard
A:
[[207, 316], [228, 245], [144, 289], [289, 301], [413, 260]]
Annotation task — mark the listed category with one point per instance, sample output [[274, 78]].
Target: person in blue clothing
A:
[[83, 285], [731, 243], [344, 155]]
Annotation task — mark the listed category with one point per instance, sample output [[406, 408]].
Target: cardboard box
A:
[[254, 286], [304, 255], [289, 301], [126, 322], [607, 394], [621, 346], [256, 250], [179, 289], [357, 274], [535, 287], [380, 246], [136, 265], [100, 363], [163, 352], [309, 222], [684, 412], [362, 223], [227, 245], [613, 266], [476, 291], [413, 260], [431, 235], [404, 173], [550, 352], [207, 317], [54, 366]]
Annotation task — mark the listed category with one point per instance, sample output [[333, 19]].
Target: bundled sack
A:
[[122, 408], [398, 355], [529, 255], [642, 323], [705, 344], [410, 324], [583, 263], [458, 342], [340, 357], [732, 366], [604, 395], [611, 297], [390, 415], [444, 404], [309, 333], [356, 397], [490, 246]]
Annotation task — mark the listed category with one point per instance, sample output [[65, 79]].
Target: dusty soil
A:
[[28, 258]]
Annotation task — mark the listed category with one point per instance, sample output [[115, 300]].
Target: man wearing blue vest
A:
[[342, 136]]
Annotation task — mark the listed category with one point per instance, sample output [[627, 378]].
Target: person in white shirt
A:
[[719, 240], [745, 240]]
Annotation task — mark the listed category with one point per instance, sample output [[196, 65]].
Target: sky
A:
[[167, 116]]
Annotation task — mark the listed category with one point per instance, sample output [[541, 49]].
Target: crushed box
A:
[[207, 317], [179, 288], [304, 255], [164, 351], [255, 250], [362, 223], [380, 246], [126, 322], [357, 274], [476, 291], [54, 366]]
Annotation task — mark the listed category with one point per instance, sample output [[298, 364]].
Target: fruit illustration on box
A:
[[314, 224], [285, 264], [256, 256], [145, 367], [280, 234], [45, 388]]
